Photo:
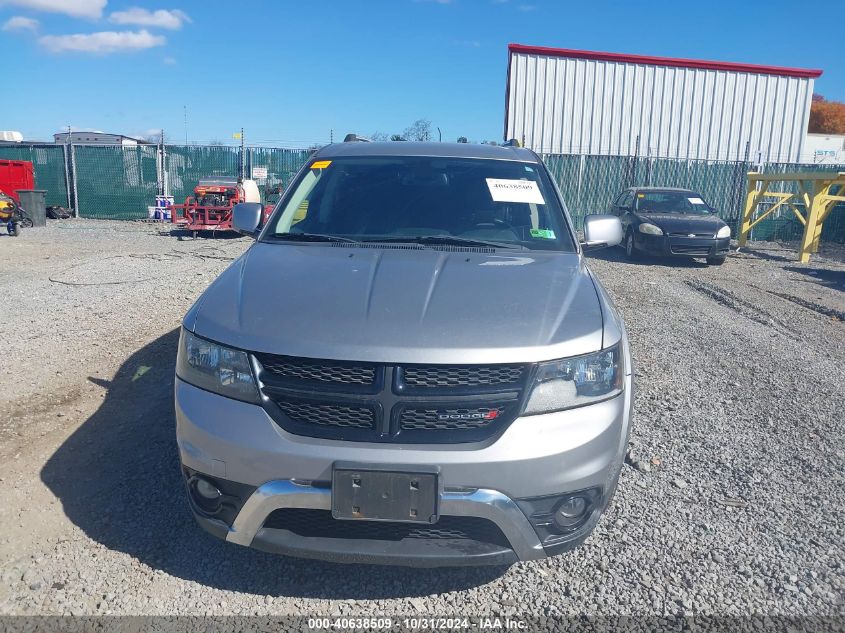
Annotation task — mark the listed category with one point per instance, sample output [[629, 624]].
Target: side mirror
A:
[[246, 217], [601, 230]]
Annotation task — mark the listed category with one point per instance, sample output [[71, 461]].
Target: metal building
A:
[[582, 102], [98, 138]]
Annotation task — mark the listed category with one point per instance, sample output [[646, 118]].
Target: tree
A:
[[826, 117], [397, 137], [379, 136], [419, 130], [462, 139]]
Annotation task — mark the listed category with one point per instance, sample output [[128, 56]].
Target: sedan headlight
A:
[[574, 382], [725, 231], [215, 368], [650, 229]]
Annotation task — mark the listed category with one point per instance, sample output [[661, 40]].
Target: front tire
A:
[[14, 229], [715, 261], [630, 248]]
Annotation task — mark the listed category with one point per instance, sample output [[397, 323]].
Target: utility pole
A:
[[331, 136], [439, 135]]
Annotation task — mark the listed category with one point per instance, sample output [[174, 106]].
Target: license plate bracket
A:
[[382, 493]]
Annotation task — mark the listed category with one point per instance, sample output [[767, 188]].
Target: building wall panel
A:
[[577, 105]]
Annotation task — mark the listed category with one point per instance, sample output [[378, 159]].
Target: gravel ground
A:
[[732, 502]]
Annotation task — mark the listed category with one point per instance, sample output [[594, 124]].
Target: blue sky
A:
[[290, 71]]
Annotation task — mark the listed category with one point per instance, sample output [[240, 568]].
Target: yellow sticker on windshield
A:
[[321, 164], [641, 195]]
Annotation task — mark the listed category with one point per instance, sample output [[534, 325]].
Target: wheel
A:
[[14, 229], [716, 261], [630, 247]]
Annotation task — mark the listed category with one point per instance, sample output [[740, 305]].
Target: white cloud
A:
[[162, 18], [20, 23], [102, 42], [169, 61], [75, 8]]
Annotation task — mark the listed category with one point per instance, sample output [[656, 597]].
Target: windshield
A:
[[672, 202], [424, 200]]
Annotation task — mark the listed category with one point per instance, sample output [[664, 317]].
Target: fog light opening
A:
[[205, 494], [571, 511]]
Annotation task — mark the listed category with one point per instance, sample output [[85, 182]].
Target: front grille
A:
[[342, 416], [683, 234], [461, 376], [375, 402], [690, 249], [319, 370], [320, 524], [449, 419]]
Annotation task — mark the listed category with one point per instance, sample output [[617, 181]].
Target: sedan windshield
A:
[[424, 201], [671, 202]]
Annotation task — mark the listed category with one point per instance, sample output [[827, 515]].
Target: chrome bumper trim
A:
[[487, 504]]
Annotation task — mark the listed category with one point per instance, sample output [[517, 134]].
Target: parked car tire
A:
[[715, 261], [14, 229], [631, 251]]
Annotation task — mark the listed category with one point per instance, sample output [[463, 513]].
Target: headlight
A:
[[216, 368], [725, 231], [574, 382], [650, 229]]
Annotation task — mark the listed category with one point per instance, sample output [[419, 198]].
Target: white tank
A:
[[11, 136], [251, 193]]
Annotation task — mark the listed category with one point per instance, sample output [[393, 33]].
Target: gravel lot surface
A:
[[732, 501]]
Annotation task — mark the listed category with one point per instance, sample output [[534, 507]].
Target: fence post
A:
[[67, 175], [742, 168], [73, 176], [582, 208], [165, 179]]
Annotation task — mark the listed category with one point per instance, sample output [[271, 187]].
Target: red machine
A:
[[14, 175], [210, 208]]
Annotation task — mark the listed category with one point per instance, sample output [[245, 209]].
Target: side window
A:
[[617, 201], [625, 200]]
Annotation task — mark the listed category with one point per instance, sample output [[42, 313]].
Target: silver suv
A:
[[412, 364]]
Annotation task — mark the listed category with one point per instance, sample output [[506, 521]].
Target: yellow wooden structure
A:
[[815, 191]]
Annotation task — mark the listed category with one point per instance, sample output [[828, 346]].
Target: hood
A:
[[402, 305], [684, 222]]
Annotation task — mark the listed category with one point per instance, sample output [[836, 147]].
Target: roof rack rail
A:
[[354, 138]]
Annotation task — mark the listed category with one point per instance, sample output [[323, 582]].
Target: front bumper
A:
[[680, 246], [536, 457]]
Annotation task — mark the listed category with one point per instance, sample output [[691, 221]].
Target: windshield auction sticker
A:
[[504, 190]]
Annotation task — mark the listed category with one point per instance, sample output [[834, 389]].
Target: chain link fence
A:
[[589, 184], [114, 182], [48, 162]]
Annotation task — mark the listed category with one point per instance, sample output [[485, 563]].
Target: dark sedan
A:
[[670, 222]]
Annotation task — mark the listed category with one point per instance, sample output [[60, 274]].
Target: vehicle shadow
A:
[[834, 279], [183, 234], [616, 254], [118, 480], [769, 254]]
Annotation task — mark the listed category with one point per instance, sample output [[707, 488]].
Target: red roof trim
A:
[[665, 61]]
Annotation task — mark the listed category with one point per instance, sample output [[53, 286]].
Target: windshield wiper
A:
[[310, 237], [442, 239]]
